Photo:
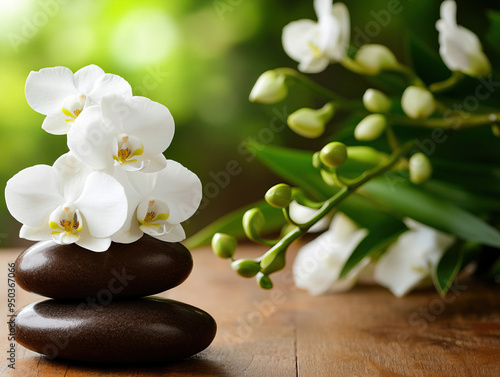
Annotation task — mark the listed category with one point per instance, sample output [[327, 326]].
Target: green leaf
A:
[[295, 166], [231, 224], [426, 60], [448, 267], [377, 240], [493, 35], [406, 199]]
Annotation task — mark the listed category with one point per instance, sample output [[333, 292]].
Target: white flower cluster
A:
[[407, 263], [317, 44], [114, 184]]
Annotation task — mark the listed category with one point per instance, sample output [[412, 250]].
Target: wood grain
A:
[[286, 332]]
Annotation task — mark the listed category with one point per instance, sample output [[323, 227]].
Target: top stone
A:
[[145, 267]]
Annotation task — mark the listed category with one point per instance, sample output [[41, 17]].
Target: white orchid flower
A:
[[315, 44], [67, 202], [319, 263], [158, 202], [302, 214], [460, 48], [410, 261], [131, 132], [62, 96]]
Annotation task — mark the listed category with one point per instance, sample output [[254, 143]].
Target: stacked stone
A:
[[98, 312]]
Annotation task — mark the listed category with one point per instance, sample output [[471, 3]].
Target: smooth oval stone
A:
[[145, 267], [128, 331]]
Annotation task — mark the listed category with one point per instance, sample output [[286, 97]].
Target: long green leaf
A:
[[378, 239], [448, 267], [406, 199], [231, 224]]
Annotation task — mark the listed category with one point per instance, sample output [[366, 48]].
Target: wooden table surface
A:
[[286, 332]]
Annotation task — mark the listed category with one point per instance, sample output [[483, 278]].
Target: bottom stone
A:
[[134, 331]]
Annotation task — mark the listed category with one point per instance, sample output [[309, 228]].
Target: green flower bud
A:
[[370, 128], [310, 123], [253, 223], [264, 281], [328, 178], [420, 168], [247, 268], [279, 196], [479, 65], [376, 102], [417, 103], [224, 245], [333, 154], [269, 88], [317, 161], [374, 58], [367, 155]]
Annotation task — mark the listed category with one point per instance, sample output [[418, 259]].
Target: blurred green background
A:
[[200, 59]]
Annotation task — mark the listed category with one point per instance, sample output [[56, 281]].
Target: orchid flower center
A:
[[73, 106], [315, 50], [66, 224], [128, 147], [152, 215]]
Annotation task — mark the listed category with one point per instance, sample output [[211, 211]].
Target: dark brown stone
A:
[[147, 330], [145, 267]]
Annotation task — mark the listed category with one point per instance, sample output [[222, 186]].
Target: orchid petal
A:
[[297, 37], [302, 214], [103, 204], [32, 194], [35, 234], [90, 139], [136, 186], [89, 242], [47, 89], [322, 8], [94, 244], [150, 121], [319, 263], [155, 163], [109, 83], [56, 124], [180, 188], [314, 65], [86, 77], [174, 233], [411, 259], [73, 173]]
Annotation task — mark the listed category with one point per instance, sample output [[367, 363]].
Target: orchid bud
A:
[[224, 245], [310, 123], [333, 154], [374, 58], [417, 103], [253, 223], [316, 161], [246, 267], [370, 128], [279, 196], [376, 102], [420, 168], [264, 281], [269, 88]]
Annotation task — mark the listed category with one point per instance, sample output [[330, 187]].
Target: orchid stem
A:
[[449, 83], [333, 202], [318, 89]]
